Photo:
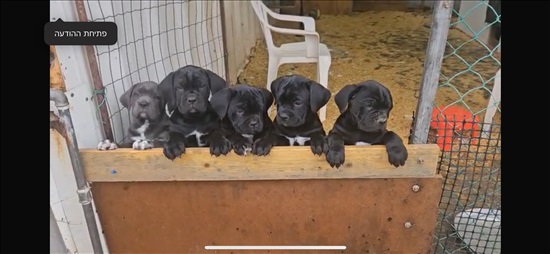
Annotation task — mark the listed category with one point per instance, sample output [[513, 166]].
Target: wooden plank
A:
[[217, 29], [242, 31], [211, 44], [253, 24], [192, 21], [56, 75], [237, 31], [210, 34], [365, 215], [200, 5], [432, 67], [258, 29], [245, 12], [230, 41], [127, 165]]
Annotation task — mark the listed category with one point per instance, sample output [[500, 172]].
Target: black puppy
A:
[[148, 122], [245, 121], [193, 121], [298, 99], [365, 109]]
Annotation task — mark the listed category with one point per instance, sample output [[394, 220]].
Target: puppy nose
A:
[[382, 120], [192, 99], [284, 116], [253, 123], [143, 103]]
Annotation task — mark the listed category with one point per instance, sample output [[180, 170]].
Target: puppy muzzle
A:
[[251, 126], [288, 119], [375, 124], [143, 115], [192, 103], [144, 108]]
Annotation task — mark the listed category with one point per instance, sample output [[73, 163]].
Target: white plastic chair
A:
[[308, 51]]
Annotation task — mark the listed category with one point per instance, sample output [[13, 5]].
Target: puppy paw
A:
[[241, 149], [106, 145], [335, 158], [397, 155], [240, 146], [141, 145], [220, 146], [335, 150], [173, 149], [318, 145], [247, 149], [262, 147]]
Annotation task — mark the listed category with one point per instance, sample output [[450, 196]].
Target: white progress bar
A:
[[276, 247]]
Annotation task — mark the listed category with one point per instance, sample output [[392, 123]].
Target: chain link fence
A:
[[465, 123], [154, 39]]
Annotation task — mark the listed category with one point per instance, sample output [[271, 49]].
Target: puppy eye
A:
[[297, 103], [157, 97], [179, 88], [135, 94], [239, 111]]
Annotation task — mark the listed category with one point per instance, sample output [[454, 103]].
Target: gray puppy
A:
[[148, 121]]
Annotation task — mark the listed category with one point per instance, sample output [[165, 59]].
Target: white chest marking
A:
[[362, 144], [209, 97], [141, 130], [248, 137], [168, 113], [197, 136], [300, 140]]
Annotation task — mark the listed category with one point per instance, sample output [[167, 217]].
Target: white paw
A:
[[106, 145], [141, 145], [247, 150]]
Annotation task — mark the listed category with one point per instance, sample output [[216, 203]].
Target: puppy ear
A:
[[318, 96], [167, 92], [220, 101], [276, 85], [342, 97], [268, 98], [390, 98], [125, 97], [216, 82]]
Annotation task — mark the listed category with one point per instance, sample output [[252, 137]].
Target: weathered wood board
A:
[[365, 215], [282, 163], [149, 204]]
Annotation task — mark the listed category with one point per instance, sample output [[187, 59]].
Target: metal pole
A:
[[83, 190], [57, 245], [441, 19]]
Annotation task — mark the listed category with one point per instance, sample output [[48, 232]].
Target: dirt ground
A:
[[390, 47]]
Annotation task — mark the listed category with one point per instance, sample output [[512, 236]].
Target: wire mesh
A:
[[154, 39], [469, 209], [470, 66]]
